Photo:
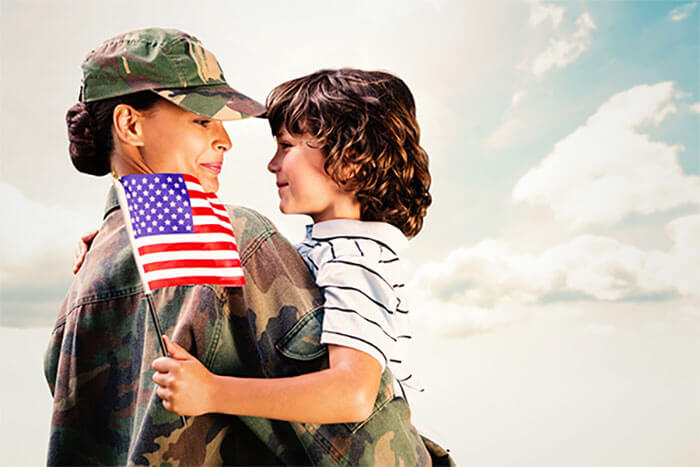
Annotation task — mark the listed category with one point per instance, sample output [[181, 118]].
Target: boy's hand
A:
[[81, 249], [184, 384]]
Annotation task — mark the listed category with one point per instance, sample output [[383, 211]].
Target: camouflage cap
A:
[[170, 63]]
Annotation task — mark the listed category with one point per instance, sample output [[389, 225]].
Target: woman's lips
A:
[[214, 167]]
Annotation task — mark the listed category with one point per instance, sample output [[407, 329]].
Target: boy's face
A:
[[303, 185]]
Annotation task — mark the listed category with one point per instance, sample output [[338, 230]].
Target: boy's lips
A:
[[214, 167]]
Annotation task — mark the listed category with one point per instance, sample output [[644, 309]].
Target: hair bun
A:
[[82, 143]]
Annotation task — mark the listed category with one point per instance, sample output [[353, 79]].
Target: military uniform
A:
[[98, 364]]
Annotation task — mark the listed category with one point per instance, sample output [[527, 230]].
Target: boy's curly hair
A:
[[365, 124]]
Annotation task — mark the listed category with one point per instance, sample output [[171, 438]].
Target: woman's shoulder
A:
[[248, 223]]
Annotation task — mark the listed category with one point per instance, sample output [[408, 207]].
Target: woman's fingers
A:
[[82, 248], [89, 236]]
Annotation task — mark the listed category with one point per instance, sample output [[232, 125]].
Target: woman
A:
[[98, 363], [152, 101]]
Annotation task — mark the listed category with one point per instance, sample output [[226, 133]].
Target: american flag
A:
[[181, 234]]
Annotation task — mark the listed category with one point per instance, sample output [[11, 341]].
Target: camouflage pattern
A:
[[98, 364], [173, 64]]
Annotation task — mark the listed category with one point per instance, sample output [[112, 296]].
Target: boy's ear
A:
[[127, 123]]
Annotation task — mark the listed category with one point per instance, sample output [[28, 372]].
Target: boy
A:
[[349, 156]]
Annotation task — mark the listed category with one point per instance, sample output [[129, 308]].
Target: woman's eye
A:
[[285, 145]]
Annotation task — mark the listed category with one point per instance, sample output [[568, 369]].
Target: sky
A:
[[554, 285]]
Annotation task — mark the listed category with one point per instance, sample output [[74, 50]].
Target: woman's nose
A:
[[222, 142]]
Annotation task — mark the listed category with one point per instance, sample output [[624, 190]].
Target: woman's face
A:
[[175, 140]]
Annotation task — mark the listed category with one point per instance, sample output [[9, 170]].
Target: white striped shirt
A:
[[357, 267]]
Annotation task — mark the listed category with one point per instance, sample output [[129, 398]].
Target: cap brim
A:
[[218, 102]]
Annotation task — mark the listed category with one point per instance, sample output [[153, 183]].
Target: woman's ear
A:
[[127, 123]]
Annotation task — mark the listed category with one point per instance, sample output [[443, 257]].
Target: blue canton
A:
[[158, 204]]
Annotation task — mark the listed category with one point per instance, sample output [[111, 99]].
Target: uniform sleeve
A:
[[359, 306]]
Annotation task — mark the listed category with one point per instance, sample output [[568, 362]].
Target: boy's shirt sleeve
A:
[[360, 305]]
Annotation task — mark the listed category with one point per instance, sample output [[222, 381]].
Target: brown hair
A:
[[90, 130], [365, 124]]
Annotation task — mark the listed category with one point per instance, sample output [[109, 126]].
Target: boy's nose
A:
[[273, 165]]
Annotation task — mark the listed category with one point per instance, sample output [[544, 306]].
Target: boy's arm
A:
[[343, 393]]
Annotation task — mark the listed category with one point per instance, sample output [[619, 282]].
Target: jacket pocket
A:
[[384, 396], [303, 340]]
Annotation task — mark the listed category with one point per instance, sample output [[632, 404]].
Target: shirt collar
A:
[[381, 231]]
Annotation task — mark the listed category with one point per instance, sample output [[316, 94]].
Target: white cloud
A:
[[492, 275], [606, 169], [540, 13], [682, 12], [562, 52], [508, 133], [36, 246], [517, 97], [695, 107], [33, 230]]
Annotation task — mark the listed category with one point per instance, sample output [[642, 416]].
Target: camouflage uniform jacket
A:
[[98, 364]]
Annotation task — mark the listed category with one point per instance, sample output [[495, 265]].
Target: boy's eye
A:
[[203, 122]]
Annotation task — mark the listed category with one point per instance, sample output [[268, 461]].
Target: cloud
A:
[[36, 244], [508, 133], [540, 13], [682, 12], [511, 130], [606, 169], [517, 97], [562, 52], [492, 275], [695, 107]]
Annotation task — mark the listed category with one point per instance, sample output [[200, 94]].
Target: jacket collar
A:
[[112, 201]]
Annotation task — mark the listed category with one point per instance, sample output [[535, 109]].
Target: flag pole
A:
[[139, 266]]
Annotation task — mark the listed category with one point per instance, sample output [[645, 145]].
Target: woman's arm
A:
[[343, 393]]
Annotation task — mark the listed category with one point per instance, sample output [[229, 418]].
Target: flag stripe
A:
[[183, 238], [185, 246], [195, 254], [193, 272], [212, 229], [206, 211], [212, 220], [190, 263], [216, 280]]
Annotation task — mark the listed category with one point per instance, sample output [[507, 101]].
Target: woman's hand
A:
[[184, 383], [81, 249]]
